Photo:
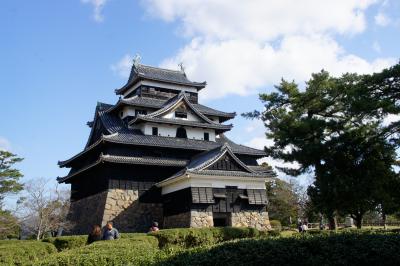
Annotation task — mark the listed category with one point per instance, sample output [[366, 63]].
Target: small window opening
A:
[[206, 136], [181, 133], [155, 131], [181, 112], [140, 112]]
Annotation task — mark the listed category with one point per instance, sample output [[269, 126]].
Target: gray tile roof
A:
[[201, 162], [174, 102], [125, 135], [261, 169], [145, 160], [140, 71], [156, 104], [127, 160], [117, 132], [170, 105]]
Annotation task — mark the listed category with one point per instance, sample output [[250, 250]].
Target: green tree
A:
[[283, 202], [328, 123], [359, 172], [9, 176], [9, 225]]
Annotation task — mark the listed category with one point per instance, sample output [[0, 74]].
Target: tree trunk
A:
[[358, 219], [332, 222], [384, 221], [39, 231]]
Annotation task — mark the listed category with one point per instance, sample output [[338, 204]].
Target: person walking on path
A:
[[110, 233]]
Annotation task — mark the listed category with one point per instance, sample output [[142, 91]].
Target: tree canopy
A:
[[9, 176], [336, 129]]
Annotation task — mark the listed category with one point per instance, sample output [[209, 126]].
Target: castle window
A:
[[154, 131], [206, 136], [140, 112], [181, 133], [181, 112]]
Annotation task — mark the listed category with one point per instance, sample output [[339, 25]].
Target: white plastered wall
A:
[[214, 182], [170, 131]]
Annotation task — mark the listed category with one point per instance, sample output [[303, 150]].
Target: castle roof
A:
[[140, 71], [120, 141], [156, 116], [137, 101], [206, 164], [127, 160]]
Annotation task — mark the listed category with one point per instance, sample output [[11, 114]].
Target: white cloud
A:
[[242, 67], [260, 142], [381, 19], [5, 144], [98, 6], [260, 19], [123, 66], [239, 46], [390, 118]]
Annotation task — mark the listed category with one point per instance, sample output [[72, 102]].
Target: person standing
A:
[[304, 227], [94, 235], [110, 233]]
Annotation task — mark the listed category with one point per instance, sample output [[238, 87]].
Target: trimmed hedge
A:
[[17, 252], [67, 242], [71, 242], [192, 237], [276, 225], [140, 250], [340, 249]]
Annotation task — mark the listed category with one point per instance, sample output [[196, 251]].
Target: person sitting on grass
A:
[[154, 227], [110, 233], [94, 235]]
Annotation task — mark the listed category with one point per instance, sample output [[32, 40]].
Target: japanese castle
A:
[[160, 155]]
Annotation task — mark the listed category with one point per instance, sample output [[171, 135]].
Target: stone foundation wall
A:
[[256, 219], [128, 214], [200, 218], [177, 220], [121, 206], [87, 212]]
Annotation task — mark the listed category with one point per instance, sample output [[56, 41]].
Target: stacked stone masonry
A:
[[128, 214], [85, 213], [256, 219], [121, 206], [200, 219], [177, 221]]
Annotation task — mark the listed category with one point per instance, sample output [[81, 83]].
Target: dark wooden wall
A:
[[190, 198]]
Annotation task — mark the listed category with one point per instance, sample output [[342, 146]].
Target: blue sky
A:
[[58, 58]]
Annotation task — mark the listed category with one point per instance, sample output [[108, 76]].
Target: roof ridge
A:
[[161, 68]]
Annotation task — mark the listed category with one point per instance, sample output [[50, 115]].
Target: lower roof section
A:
[[138, 139], [202, 180], [150, 161]]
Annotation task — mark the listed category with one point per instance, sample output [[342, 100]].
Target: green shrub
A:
[[67, 242], [337, 249], [193, 237], [70, 242], [276, 225], [138, 250], [132, 235], [23, 252], [274, 233]]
